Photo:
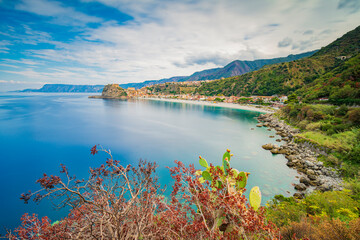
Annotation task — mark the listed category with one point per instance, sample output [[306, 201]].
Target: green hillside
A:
[[336, 59]]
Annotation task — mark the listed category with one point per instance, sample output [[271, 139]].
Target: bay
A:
[[39, 131]]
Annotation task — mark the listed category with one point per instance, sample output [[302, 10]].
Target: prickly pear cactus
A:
[[232, 179], [240, 184], [255, 197]]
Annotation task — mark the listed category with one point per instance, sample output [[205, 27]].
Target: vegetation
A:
[[125, 202], [328, 215], [119, 202], [172, 88], [334, 129], [331, 73], [324, 215]]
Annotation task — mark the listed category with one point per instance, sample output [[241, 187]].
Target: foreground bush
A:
[[334, 205], [119, 202], [322, 229]]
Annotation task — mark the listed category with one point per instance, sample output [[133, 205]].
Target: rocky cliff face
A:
[[113, 91]]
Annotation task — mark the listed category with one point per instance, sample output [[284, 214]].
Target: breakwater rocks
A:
[[315, 176]]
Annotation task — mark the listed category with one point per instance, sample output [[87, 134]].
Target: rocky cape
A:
[[302, 157], [112, 91]]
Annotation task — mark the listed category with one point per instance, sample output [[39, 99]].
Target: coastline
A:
[[215, 104], [302, 157]]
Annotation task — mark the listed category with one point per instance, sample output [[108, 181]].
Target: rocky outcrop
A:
[[112, 91], [301, 157]]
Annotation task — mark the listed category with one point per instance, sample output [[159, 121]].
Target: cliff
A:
[[112, 91]]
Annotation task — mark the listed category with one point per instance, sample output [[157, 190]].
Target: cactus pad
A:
[[255, 197]]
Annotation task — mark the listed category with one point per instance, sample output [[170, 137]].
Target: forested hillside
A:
[[339, 59]]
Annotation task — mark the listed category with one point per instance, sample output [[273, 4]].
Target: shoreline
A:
[[212, 104], [302, 157]]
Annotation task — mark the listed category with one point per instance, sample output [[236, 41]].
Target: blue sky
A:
[[121, 41]]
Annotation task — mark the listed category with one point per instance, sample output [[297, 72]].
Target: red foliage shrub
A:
[[322, 229], [119, 202]]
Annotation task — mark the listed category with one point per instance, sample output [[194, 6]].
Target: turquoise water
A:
[[40, 131]]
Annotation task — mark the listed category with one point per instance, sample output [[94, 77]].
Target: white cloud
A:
[[4, 46], [56, 10], [172, 38], [20, 82]]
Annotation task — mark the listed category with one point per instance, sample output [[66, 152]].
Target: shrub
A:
[[354, 116], [354, 186], [118, 202], [322, 229], [342, 110], [335, 204]]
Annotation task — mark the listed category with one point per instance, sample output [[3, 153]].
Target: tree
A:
[[119, 202], [292, 98]]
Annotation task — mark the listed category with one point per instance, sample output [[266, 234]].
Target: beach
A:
[[217, 104]]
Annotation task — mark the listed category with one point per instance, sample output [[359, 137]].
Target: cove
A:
[[38, 132]]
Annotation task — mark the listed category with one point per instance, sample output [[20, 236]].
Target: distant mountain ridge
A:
[[67, 88], [235, 68]]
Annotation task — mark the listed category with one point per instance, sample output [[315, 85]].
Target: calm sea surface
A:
[[40, 131]]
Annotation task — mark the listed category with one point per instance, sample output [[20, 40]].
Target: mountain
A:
[[152, 82], [234, 68], [306, 76], [67, 88]]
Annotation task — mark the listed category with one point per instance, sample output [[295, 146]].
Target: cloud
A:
[[4, 46], [55, 10], [308, 32], [20, 82], [352, 6], [165, 38], [285, 42], [24, 34], [302, 45]]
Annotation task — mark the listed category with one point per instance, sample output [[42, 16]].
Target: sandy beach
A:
[[216, 104]]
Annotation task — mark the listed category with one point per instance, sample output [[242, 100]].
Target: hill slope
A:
[[288, 77], [234, 68]]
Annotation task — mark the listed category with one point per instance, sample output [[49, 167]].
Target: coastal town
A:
[[185, 91]]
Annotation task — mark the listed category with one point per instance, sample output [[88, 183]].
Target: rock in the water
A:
[[290, 164], [283, 151], [305, 181], [113, 91], [271, 136], [300, 187], [274, 151], [259, 125], [268, 146]]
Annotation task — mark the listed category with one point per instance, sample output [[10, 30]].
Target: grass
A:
[[343, 141]]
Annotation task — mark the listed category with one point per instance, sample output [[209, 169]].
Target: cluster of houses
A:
[[272, 100], [145, 92]]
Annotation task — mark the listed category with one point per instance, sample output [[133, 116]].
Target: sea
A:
[[40, 131]]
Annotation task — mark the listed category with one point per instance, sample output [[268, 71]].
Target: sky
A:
[[122, 41]]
